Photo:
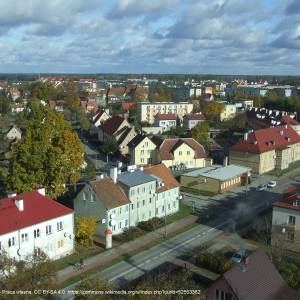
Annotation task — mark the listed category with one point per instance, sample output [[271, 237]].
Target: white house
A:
[[33, 221], [165, 121], [14, 133]]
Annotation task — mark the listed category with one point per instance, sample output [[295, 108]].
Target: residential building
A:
[[286, 223], [125, 199], [147, 110], [215, 179], [89, 106], [142, 150], [17, 107], [165, 121], [228, 112], [58, 105], [267, 149], [181, 153], [32, 221], [254, 278], [192, 120], [152, 130], [117, 128], [14, 134], [97, 119], [242, 104], [260, 117]]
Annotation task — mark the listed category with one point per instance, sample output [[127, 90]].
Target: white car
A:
[[272, 184], [261, 187]]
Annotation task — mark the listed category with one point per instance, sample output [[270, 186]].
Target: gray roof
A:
[[135, 178], [219, 172]]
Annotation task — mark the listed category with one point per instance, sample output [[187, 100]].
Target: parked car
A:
[[261, 187], [238, 256], [272, 184]]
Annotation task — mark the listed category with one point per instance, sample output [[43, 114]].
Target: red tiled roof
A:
[[111, 125], [37, 209], [195, 117], [288, 202], [128, 105], [168, 147], [165, 174], [116, 91], [268, 139], [289, 121], [166, 116]]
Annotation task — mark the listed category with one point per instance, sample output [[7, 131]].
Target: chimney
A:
[[113, 174], [246, 136], [225, 161], [20, 204], [42, 191]]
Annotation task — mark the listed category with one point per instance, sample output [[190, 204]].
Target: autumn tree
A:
[[72, 96], [50, 155], [201, 133], [85, 230], [213, 109], [42, 91], [35, 272]]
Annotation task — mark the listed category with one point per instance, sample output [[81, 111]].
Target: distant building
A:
[[267, 149], [32, 221], [192, 120], [286, 223], [215, 179], [254, 278], [125, 199], [97, 119], [229, 112], [14, 134], [165, 121], [146, 111]]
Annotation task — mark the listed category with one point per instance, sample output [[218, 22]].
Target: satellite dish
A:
[[112, 216], [112, 222], [103, 221], [20, 252]]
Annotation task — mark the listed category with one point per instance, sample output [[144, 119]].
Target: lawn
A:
[[80, 253], [197, 192], [279, 173], [184, 212]]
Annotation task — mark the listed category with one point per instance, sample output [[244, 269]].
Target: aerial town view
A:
[[150, 149]]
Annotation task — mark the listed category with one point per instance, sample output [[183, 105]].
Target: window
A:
[[163, 208], [180, 152], [132, 206], [188, 152], [36, 233], [220, 295], [120, 210], [126, 223], [169, 206], [60, 244], [156, 211], [143, 202], [24, 237], [174, 204], [138, 190], [59, 226], [138, 204], [142, 152], [48, 229], [290, 236], [292, 220], [142, 160], [132, 192], [150, 201], [144, 189], [11, 242], [114, 228], [84, 196], [120, 225], [92, 198]]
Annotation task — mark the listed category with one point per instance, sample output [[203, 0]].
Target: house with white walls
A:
[[32, 221]]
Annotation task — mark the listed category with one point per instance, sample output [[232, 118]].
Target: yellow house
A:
[[267, 149], [142, 150], [229, 112], [182, 152]]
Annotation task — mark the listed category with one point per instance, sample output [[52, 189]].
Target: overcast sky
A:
[[150, 36]]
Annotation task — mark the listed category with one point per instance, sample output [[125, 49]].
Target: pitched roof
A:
[[268, 139], [136, 140], [166, 116], [199, 116], [128, 105], [257, 280], [289, 202], [111, 194], [168, 147], [111, 125], [125, 131], [165, 174], [37, 209], [289, 121]]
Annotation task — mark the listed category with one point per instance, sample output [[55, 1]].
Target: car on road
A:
[[272, 184], [238, 256], [261, 187]]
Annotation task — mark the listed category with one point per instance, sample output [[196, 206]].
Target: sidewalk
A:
[[111, 254]]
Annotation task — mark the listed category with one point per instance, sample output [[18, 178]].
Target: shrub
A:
[[151, 224], [214, 262], [129, 234]]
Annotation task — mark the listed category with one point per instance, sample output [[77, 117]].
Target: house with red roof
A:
[[267, 149], [165, 121], [117, 128], [286, 222], [32, 221]]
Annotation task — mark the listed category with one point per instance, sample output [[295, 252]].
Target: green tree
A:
[[111, 148], [85, 230], [201, 133], [4, 105], [42, 91], [213, 109], [50, 155], [72, 96]]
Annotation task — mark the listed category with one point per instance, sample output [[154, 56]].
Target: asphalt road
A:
[[227, 210]]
